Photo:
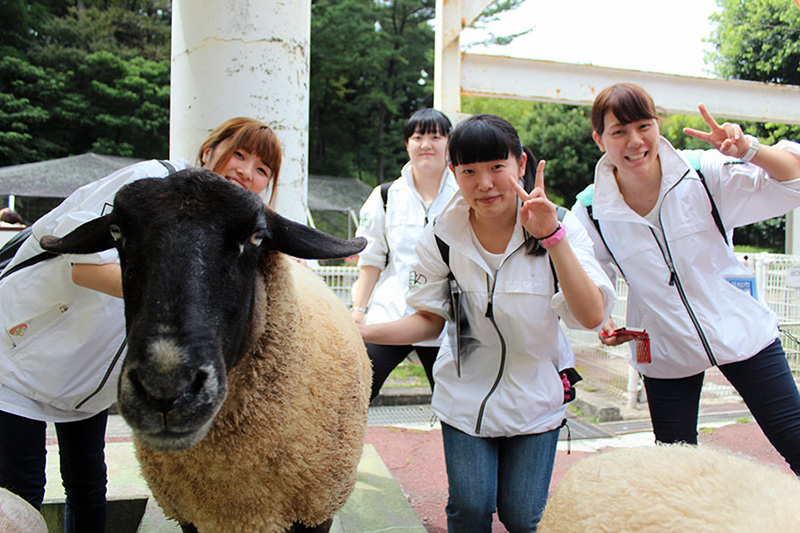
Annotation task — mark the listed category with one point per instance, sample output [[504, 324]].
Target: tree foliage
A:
[[93, 76]]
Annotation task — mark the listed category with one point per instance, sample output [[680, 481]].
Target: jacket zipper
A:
[[107, 374], [503, 352], [675, 281]]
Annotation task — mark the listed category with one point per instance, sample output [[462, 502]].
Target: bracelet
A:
[[554, 238], [356, 308], [752, 150]]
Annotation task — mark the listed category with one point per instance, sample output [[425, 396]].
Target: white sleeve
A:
[[371, 225], [583, 248], [429, 288]]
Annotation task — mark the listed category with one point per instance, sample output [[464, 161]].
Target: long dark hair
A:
[[482, 138]]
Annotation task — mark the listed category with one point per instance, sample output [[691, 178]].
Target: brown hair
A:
[[251, 135], [628, 102]]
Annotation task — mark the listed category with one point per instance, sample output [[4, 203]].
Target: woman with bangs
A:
[[663, 218], [503, 266], [68, 376], [392, 220]]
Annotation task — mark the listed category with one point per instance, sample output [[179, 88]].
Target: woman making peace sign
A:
[[500, 386], [656, 218]]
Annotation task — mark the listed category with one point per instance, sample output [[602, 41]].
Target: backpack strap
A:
[[169, 166], [561, 213], [385, 197]]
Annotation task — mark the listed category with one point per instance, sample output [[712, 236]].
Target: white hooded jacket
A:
[[683, 295], [395, 231], [61, 348], [510, 382]]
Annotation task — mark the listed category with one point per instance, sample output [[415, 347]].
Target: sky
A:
[[629, 34]]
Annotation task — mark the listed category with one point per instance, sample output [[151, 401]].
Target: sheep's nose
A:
[[165, 391]]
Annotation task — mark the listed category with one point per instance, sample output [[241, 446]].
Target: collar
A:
[[607, 202], [447, 179]]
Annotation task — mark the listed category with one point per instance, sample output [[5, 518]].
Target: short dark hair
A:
[[628, 102], [427, 121]]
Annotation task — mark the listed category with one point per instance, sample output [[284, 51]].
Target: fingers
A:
[[707, 117], [539, 182], [514, 182], [697, 134]]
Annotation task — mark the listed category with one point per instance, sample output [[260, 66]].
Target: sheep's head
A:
[[189, 248]]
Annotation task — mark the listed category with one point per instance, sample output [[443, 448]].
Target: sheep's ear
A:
[[299, 240], [88, 238]]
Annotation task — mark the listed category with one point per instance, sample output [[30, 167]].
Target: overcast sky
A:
[[630, 34]]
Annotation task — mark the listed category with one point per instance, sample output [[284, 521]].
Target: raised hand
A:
[[537, 214], [728, 138]]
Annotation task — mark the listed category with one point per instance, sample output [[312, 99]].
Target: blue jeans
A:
[[511, 474], [81, 448], [766, 385]]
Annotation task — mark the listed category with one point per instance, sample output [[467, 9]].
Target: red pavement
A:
[[416, 460]]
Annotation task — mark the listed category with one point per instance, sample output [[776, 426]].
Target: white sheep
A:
[[676, 488], [246, 382], [18, 516]]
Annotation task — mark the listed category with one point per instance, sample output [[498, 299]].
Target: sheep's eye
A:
[[116, 233], [255, 239]]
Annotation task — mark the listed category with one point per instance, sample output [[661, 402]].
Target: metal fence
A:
[[777, 277]]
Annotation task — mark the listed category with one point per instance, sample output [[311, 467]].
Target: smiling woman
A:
[[60, 356]]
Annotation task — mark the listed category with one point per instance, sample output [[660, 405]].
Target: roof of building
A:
[[58, 178]]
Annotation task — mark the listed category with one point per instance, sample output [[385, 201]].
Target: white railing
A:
[[607, 367]]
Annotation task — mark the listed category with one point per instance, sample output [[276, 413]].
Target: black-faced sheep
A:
[[246, 382], [672, 488], [18, 516]]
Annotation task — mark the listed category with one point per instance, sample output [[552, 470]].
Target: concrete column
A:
[[244, 58]]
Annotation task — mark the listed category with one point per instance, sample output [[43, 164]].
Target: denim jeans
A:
[[81, 448], [510, 474], [385, 358], [766, 385]]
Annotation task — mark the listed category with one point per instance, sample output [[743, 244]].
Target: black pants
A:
[[385, 358], [81, 449], [766, 385]]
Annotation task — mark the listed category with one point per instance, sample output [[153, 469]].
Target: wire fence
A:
[[606, 367]]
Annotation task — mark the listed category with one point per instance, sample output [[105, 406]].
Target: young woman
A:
[[392, 228], [65, 329], [500, 392], [656, 224]]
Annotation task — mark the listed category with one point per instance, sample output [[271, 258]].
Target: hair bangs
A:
[[260, 140], [477, 143]]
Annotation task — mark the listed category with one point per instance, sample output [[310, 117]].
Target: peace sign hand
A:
[[537, 214], [727, 138]]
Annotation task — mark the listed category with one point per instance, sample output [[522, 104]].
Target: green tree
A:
[[759, 40]]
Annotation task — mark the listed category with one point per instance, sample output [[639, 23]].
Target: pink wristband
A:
[[555, 238]]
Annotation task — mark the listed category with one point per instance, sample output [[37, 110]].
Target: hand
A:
[[728, 138], [538, 214], [357, 315], [608, 338]]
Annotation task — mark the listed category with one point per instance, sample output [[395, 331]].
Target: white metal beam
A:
[[567, 83]]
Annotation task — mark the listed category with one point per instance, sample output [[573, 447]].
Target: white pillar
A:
[[792, 238], [244, 58]]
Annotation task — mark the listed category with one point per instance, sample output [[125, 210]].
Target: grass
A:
[[407, 375]]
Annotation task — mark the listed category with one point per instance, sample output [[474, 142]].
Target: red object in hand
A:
[[642, 340]]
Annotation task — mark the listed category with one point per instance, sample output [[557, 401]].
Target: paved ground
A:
[[402, 479]]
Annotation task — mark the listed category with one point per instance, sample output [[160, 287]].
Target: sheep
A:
[[18, 516], [246, 382], [672, 488]]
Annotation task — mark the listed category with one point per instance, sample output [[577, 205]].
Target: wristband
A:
[[555, 238], [752, 150], [356, 308]]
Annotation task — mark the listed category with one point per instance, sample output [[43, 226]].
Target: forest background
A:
[[81, 76]]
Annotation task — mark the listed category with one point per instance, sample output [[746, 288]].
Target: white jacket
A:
[[509, 384], [396, 231], [61, 345], [683, 297]]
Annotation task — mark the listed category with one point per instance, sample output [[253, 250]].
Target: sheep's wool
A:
[[286, 444], [673, 488], [18, 516]]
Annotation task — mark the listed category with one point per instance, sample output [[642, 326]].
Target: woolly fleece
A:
[[286, 443], [18, 516], [673, 488]]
